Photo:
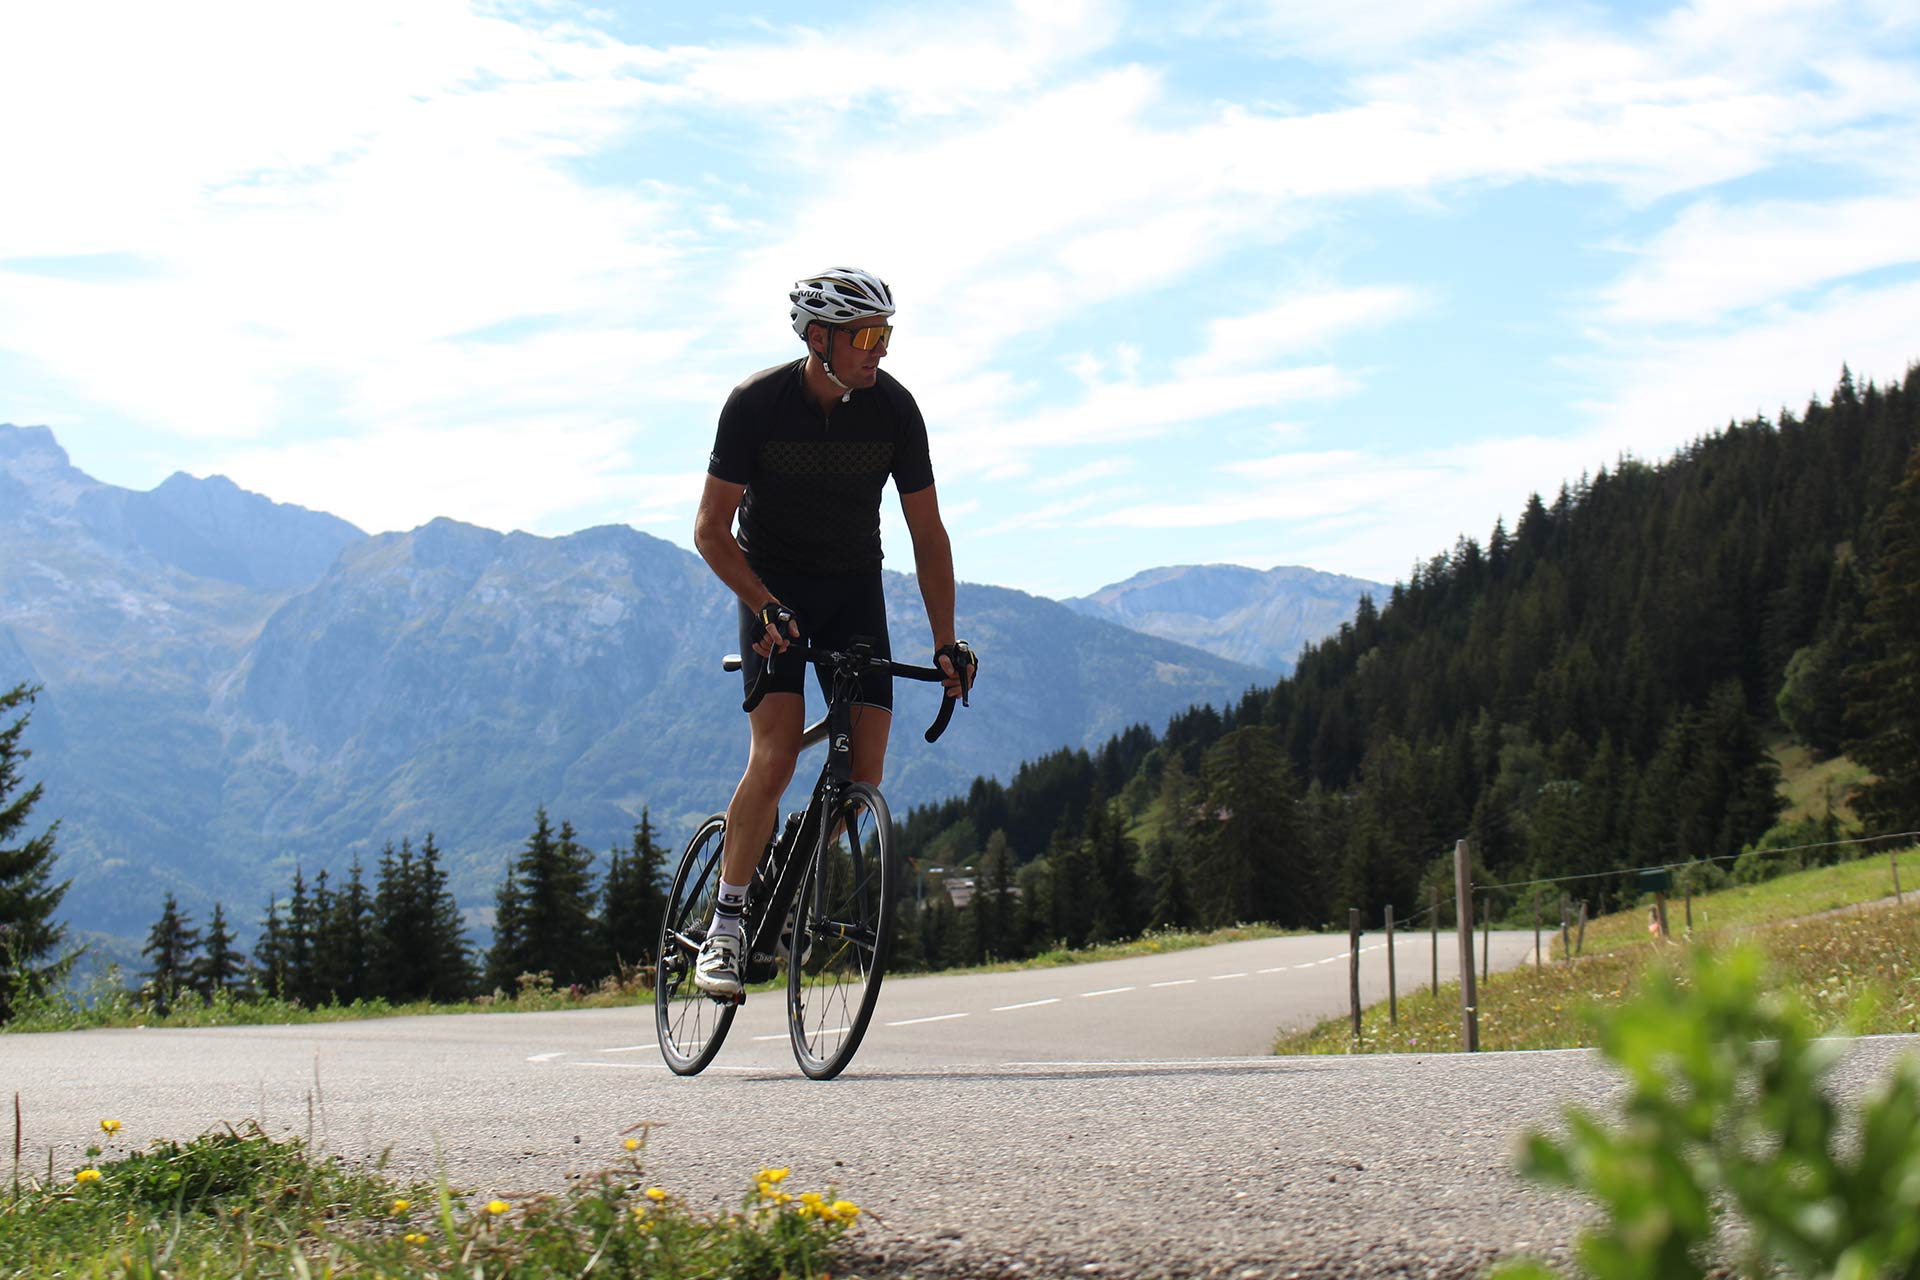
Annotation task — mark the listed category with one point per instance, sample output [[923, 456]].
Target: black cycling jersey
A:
[[813, 483]]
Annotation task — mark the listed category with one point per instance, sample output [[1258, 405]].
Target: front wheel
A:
[[692, 1025], [842, 927]]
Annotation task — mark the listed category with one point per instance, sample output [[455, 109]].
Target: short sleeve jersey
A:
[[814, 483]]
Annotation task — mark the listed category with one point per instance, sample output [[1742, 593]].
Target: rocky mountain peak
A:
[[35, 470]]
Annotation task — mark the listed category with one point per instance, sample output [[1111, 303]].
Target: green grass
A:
[[108, 1003], [235, 1203], [1811, 788], [1860, 965]]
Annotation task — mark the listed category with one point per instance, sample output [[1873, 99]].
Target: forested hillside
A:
[[1588, 692]]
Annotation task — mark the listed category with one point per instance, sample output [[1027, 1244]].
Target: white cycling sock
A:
[[727, 908]]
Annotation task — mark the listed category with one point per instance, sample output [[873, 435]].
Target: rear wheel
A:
[[843, 928], [692, 1024]]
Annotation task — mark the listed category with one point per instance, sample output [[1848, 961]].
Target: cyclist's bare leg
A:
[[777, 724], [870, 729]]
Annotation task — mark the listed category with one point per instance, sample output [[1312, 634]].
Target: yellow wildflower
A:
[[844, 1210], [656, 1194], [401, 1206], [414, 1238], [87, 1175], [774, 1175], [633, 1144], [497, 1207], [110, 1126]]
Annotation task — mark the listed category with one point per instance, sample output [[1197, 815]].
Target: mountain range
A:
[[234, 686]]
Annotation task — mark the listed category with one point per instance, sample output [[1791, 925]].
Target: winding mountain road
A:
[[1116, 1119]]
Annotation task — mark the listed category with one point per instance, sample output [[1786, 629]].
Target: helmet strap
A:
[[826, 363]]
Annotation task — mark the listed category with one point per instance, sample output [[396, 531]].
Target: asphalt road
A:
[[1117, 1119]]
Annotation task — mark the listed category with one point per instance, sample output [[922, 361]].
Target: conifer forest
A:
[[1593, 691]]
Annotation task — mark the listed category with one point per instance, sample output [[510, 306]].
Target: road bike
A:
[[824, 891]]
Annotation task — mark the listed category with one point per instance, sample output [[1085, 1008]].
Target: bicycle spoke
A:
[[690, 1023], [843, 915]]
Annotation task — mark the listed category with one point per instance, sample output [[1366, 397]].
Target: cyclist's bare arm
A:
[[713, 539], [933, 565]]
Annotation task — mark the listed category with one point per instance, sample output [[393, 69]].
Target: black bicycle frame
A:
[[778, 877]]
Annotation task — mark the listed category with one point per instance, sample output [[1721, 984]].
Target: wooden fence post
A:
[[1893, 858], [1393, 976], [1580, 938], [1536, 932], [1353, 965], [1566, 942], [1463, 905]]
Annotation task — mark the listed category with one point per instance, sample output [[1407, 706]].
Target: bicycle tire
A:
[[842, 926], [691, 1024]]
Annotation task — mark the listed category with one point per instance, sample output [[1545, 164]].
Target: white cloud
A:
[[1309, 320], [560, 474], [1714, 259]]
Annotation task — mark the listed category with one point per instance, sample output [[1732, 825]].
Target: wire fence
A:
[[1658, 875]]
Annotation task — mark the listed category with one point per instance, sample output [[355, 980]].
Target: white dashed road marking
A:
[[938, 1017], [1031, 1004], [1110, 991], [544, 1057], [1222, 977], [1177, 982]]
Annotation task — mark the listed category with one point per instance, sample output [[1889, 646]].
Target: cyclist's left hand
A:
[[960, 665]]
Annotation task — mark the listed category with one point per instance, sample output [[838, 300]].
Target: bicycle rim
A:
[[843, 927], [691, 1024]]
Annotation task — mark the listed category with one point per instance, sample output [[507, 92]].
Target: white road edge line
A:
[[631, 1048], [1177, 982], [1031, 1004], [786, 1035], [1110, 991], [547, 1057], [938, 1017], [1222, 977]]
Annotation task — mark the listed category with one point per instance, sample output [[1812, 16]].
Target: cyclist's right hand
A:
[[782, 629]]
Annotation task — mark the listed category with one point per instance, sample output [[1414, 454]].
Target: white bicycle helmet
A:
[[837, 295]]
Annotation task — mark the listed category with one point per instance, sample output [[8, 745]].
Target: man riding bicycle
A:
[[801, 456]]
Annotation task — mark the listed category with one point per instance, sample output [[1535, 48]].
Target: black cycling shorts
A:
[[833, 611]]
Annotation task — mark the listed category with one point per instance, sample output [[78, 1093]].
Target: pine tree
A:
[[1245, 835], [554, 931], [329, 969], [345, 945], [397, 925], [1883, 708], [508, 957], [1117, 910], [993, 901], [28, 897], [298, 953], [1070, 894], [633, 899], [221, 966], [171, 943], [270, 956], [449, 960], [1167, 871]]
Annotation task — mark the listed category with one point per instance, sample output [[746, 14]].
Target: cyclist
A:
[[801, 456]]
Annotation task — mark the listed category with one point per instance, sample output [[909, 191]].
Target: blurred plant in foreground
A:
[[1727, 1115]]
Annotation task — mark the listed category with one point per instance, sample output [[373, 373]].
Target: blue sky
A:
[[1250, 281]]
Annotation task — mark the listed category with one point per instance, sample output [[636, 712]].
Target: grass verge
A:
[[1859, 968], [235, 1203]]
